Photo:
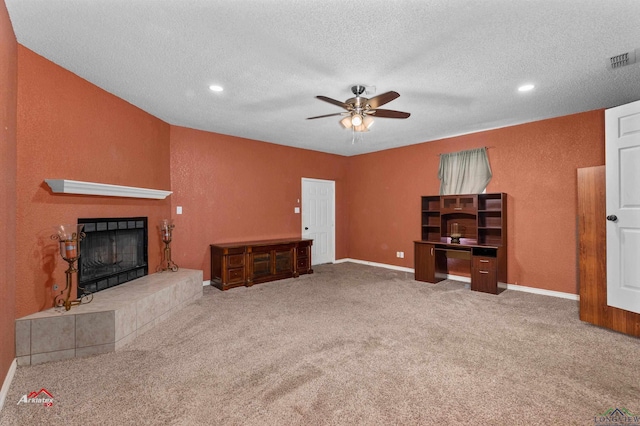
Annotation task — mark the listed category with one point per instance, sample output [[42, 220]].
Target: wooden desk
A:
[[487, 267], [480, 222], [253, 262]]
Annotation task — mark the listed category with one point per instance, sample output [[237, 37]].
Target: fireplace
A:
[[113, 252]]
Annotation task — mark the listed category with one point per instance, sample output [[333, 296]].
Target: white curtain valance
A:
[[464, 172]]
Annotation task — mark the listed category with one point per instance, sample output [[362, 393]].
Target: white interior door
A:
[[318, 218], [622, 127]]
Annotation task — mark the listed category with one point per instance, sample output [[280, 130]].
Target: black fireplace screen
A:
[[114, 251]]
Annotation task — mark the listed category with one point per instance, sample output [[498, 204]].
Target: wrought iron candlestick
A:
[[166, 228], [70, 237]]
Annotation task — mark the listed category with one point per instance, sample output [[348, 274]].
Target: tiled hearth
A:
[[115, 317]]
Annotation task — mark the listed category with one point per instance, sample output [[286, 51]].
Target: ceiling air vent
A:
[[622, 60]]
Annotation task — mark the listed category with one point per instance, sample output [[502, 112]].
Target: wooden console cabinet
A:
[[482, 225], [253, 262]]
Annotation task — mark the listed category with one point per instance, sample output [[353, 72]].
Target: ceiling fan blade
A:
[[382, 99], [333, 101], [388, 113], [323, 116]]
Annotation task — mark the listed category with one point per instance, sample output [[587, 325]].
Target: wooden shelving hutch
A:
[[482, 224]]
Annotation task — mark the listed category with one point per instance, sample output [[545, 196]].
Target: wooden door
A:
[[622, 147], [592, 256], [318, 218]]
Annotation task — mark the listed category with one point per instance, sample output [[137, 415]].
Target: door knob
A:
[[306, 228], [612, 218]]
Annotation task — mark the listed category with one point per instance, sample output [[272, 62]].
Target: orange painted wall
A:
[[70, 129], [234, 189], [8, 141], [237, 189], [534, 163]]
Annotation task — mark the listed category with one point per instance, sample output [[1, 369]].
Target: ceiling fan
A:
[[360, 110]]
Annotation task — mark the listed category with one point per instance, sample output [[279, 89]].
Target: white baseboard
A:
[[206, 282], [4, 391], [543, 292], [513, 287]]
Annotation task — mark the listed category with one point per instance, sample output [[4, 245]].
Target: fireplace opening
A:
[[113, 252]]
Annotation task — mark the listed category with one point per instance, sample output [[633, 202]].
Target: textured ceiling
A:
[[456, 64]]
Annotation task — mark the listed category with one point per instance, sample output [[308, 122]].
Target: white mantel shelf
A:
[[65, 186]]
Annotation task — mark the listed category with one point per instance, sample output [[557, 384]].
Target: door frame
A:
[[333, 212]]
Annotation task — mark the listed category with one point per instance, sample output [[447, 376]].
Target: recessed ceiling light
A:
[[526, 88], [215, 88]]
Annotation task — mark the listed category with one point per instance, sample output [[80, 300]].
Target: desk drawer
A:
[[235, 276], [235, 260], [484, 276], [302, 264], [482, 263]]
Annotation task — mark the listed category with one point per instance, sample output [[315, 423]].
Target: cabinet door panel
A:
[[284, 261], [459, 203], [261, 264], [424, 258]]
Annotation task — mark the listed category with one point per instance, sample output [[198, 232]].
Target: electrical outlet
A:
[[401, 255]]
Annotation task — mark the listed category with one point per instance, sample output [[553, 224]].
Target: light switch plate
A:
[[296, 209]]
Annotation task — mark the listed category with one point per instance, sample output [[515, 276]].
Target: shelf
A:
[[489, 202], [65, 186], [431, 203], [481, 222]]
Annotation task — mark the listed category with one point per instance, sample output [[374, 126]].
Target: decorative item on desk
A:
[[455, 233], [166, 229], [70, 237]]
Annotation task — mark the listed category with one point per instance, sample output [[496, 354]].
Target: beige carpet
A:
[[350, 344]]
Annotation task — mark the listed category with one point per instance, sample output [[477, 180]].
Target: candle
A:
[[165, 230], [70, 249]]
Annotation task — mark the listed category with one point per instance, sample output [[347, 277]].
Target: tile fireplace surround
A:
[[115, 317]]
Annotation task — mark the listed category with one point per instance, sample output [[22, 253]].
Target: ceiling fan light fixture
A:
[[346, 122], [361, 112]]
